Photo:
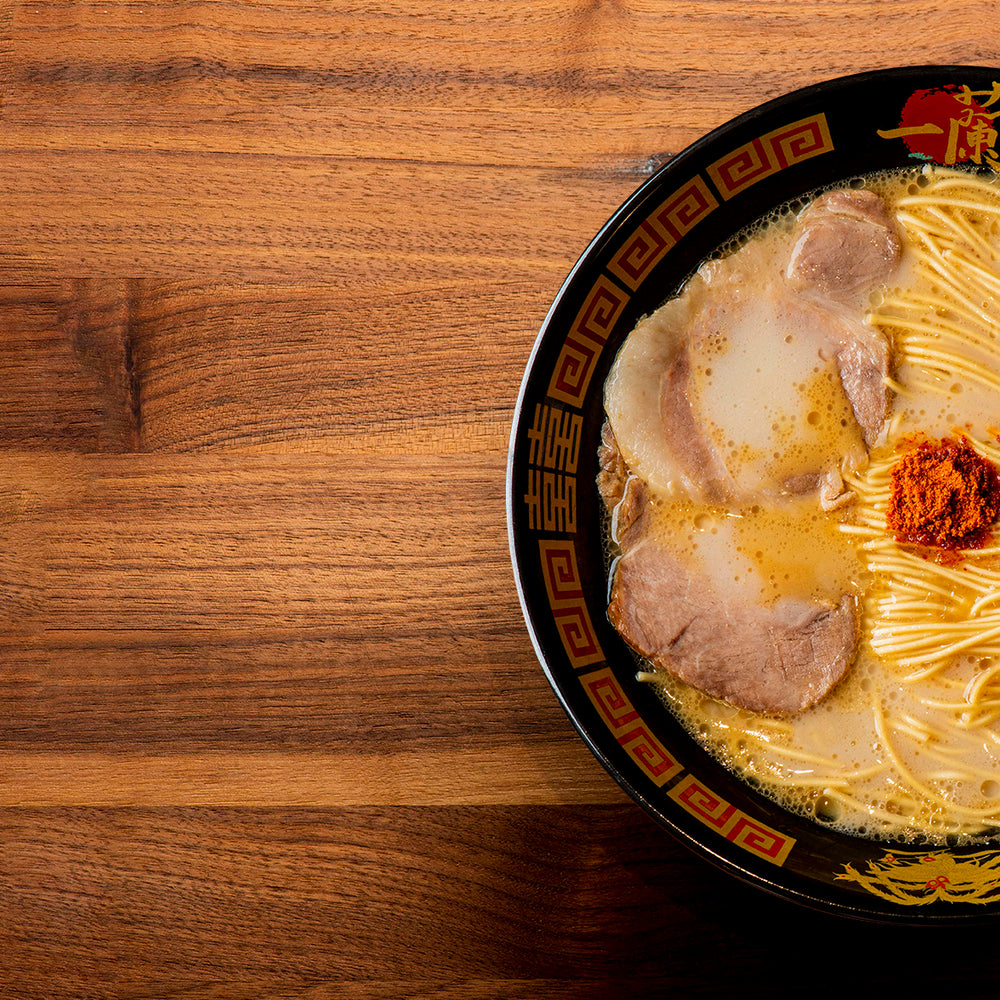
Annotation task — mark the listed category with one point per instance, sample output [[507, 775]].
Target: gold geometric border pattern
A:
[[767, 154], [569, 607], [623, 720], [587, 336], [554, 438], [553, 453], [733, 824], [678, 215]]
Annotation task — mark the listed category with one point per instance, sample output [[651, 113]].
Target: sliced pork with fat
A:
[[846, 244], [778, 659], [754, 381], [863, 366]]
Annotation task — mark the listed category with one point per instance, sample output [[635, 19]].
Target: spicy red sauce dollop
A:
[[943, 495]]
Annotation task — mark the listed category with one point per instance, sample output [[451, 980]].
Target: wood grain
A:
[[488, 772], [276, 141], [362, 903], [270, 273]]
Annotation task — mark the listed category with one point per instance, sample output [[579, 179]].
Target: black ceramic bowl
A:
[[786, 149]]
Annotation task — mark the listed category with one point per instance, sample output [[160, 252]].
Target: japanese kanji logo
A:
[[950, 125]]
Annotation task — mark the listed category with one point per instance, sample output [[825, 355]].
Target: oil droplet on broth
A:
[[828, 810]]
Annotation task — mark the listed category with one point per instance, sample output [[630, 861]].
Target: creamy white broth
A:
[[890, 752], [797, 408]]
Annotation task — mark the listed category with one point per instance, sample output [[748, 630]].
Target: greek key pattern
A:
[[561, 574], [730, 822], [770, 153], [623, 720], [585, 341], [678, 215]]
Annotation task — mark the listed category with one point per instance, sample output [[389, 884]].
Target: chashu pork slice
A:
[[762, 376], [847, 244], [777, 660]]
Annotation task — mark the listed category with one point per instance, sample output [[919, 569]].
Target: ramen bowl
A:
[[783, 151]]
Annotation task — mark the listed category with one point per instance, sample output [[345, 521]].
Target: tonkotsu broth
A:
[[908, 744]]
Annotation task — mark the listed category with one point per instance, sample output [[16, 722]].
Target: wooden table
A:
[[272, 725]]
